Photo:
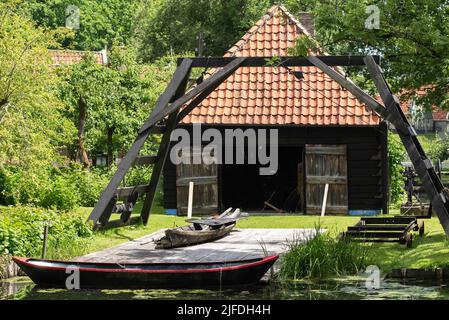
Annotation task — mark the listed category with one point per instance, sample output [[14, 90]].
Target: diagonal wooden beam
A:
[[423, 166], [350, 86], [172, 122], [161, 156], [217, 77], [178, 79]]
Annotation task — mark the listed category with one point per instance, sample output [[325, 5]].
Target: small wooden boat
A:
[[49, 273], [199, 231]]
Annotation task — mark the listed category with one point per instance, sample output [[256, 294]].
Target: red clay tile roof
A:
[[272, 95], [60, 57], [437, 112], [440, 115]]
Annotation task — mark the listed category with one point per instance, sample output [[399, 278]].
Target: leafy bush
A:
[[61, 194], [139, 175], [396, 154], [438, 149], [323, 256], [61, 189], [19, 185], [88, 183], [21, 230]]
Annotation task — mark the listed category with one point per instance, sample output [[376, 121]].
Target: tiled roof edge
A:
[[260, 23]]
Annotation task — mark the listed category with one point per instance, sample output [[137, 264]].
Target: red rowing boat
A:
[[50, 273]]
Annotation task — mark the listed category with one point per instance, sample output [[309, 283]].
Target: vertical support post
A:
[[323, 208], [44, 243], [190, 202], [384, 167]]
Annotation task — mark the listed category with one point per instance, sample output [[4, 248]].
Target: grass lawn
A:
[[430, 251], [113, 237]]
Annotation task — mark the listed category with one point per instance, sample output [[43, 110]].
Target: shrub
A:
[[88, 183], [140, 175], [323, 256], [396, 154], [62, 194], [438, 149], [62, 189], [18, 185], [21, 230]]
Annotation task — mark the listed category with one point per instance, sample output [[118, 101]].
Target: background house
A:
[[423, 120], [64, 57], [325, 135]]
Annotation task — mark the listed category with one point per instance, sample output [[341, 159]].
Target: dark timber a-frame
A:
[[166, 116]]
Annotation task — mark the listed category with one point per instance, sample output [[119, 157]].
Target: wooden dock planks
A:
[[240, 244]]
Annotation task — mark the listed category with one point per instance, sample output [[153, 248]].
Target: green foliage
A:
[[74, 186], [323, 256], [21, 230], [29, 108], [22, 186], [438, 149], [64, 189], [139, 176], [304, 45], [118, 98], [412, 38], [396, 155], [102, 23], [61, 194], [173, 26], [33, 129], [89, 183]]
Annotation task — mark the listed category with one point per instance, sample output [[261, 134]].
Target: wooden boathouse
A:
[[325, 135]]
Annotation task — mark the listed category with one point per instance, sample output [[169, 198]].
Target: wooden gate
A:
[[326, 164], [205, 179]]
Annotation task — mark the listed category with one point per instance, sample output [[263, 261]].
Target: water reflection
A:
[[347, 288]]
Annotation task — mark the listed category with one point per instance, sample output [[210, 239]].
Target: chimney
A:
[[306, 19]]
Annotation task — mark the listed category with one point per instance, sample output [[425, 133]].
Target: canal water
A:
[[346, 288]]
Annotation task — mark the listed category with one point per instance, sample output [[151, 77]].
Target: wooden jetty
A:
[[240, 244]]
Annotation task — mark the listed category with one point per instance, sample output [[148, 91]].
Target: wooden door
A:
[[326, 164], [205, 191]]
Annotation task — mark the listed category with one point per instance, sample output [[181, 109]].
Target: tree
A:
[[412, 38], [32, 128], [172, 26], [109, 103], [101, 23]]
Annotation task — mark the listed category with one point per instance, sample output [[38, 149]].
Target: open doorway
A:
[[243, 187]]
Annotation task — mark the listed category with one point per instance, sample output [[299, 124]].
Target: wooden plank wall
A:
[[204, 177], [367, 179], [326, 164]]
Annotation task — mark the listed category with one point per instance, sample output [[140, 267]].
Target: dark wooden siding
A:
[[169, 184], [367, 161]]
